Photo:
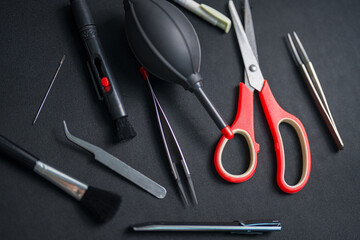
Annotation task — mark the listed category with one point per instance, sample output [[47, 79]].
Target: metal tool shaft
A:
[[171, 144], [232, 227], [48, 90], [118, 166], [303, 62], [70, 185]]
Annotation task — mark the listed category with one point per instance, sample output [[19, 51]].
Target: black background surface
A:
[[35, 35]]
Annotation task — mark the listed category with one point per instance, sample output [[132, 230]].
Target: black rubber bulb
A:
[[166, 44]]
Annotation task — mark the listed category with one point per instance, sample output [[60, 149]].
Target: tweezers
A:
[[118, 166], [312, 81], [236, 227], [172, 147]]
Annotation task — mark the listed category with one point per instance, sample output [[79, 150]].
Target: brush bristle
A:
[[124, 130], [100, 204]]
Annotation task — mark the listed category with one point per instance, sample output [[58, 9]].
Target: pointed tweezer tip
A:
[[192, 191], [182, 193], [67, 133], [72, 138], [289, 38], [195, 200], [65, 127]]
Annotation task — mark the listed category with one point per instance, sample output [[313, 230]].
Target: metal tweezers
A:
[[118, 166], [173, 151], [303, 62]]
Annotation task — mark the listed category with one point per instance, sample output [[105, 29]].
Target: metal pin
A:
[[48, 90]]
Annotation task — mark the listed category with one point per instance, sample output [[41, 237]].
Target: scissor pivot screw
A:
[[252, 68]]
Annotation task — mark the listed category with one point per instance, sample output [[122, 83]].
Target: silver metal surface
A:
[[250, 33], [294, 51], [302, 49], [48, 90], [314, 78], [313, 75], [70, 185], [309, 74], [208, 227], [252, 68], [118, 166], [256, 79], [170, 141], [189, 181]]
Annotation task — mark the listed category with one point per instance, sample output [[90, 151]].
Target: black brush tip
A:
[[124, 130], [100, 204]]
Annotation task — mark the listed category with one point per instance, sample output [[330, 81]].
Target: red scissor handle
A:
[[276, 115], [244, 125]]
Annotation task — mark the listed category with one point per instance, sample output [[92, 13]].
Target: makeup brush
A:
[[100, 204]]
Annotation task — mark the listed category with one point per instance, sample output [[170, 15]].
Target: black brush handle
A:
[[10, 149], [103, 78]]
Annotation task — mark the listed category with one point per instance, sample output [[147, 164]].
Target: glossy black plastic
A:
[[166, 44]]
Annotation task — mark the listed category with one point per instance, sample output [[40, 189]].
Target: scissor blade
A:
[[250, 32], [252, 68], [249, 28]]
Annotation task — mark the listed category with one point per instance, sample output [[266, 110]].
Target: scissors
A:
[[275, 115]]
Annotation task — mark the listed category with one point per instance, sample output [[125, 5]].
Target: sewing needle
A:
[[48, 90]]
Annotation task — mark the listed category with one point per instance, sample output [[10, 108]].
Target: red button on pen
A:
[[106, 84]]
